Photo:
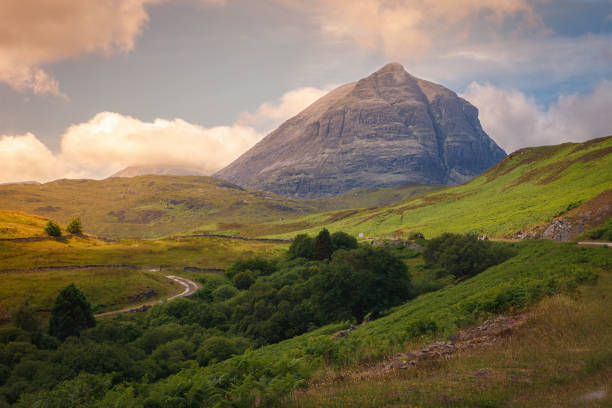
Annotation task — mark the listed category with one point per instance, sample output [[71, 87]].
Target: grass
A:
[[203, 252], [106, 289], [525, 190], [109, 289], [155, 206], [560, 358], [16, 224]]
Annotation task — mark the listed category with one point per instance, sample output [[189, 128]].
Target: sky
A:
[[88, 87]]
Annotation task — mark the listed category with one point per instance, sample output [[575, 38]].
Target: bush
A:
[[25, 318], [301, 247], [74, 226], [342, 240], [602, 233], [224, 292], [219, 348], [71, 313], [53, 229], [256, 265], [244, 280], [464, 255], [383, 282]]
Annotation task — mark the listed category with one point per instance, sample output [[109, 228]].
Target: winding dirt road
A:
[[190, 288]]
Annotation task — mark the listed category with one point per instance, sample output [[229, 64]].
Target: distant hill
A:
[[523, 193], [160, 170], [387, 129], [153, 206]]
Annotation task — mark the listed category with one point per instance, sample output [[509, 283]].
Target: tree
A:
[[301, 247], [71, 313], [464, 255], [342, 240], [244, 280], [358, 282], [52, 229], [75, 226], [323, 248], [25, 318]]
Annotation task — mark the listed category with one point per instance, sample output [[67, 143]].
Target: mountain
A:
[[160, 170], [387, 129]]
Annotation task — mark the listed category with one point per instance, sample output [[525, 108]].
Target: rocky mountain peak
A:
[[385, 129]]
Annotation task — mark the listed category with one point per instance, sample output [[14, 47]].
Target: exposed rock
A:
[[483, 335], [563, 229], [146, 294], [387, 129]]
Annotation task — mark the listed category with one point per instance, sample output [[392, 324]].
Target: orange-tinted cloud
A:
[[402, 28], [37, 32]]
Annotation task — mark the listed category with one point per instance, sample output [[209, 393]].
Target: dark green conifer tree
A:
[[323, 247], [70, 314]]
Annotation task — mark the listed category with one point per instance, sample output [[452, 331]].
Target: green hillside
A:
[[528, 188], [15, 224], [154, 206]]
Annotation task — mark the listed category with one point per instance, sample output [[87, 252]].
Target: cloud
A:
[[271, 114], [38, 32], [25, 158], [404, 28], [514, 120], [110, 142]]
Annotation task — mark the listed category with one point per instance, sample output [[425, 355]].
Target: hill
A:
[[159, 170], [153, 206], [16, 224], [525, 191], [387, 129]]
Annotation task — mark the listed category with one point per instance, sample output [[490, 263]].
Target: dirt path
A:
[[190, 288], [608, 244]]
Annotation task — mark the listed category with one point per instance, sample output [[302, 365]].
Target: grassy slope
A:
[[541, 268], [528, 188], [108, 289], [153, 206], [105, 289], [14, 224]]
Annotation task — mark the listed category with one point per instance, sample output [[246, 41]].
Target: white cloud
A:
[[514, 120], [271, 114], [110, 142], [25, 158]]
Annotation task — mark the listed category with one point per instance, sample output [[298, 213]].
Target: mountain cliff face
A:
[[383, 130]]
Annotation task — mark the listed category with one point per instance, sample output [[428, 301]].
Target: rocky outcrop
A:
[[386, 129]]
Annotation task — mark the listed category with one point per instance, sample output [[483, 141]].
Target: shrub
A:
[[244, 280], [342, 240], [256, 265], [74, 226], [464, 255], [224, 292], [219, 348], [52, 229], [383, 282], [301, 247], [25, 318]]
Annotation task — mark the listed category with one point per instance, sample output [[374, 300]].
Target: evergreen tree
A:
[[75, 226], [70, 314], [52, 229], [323, 247]]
